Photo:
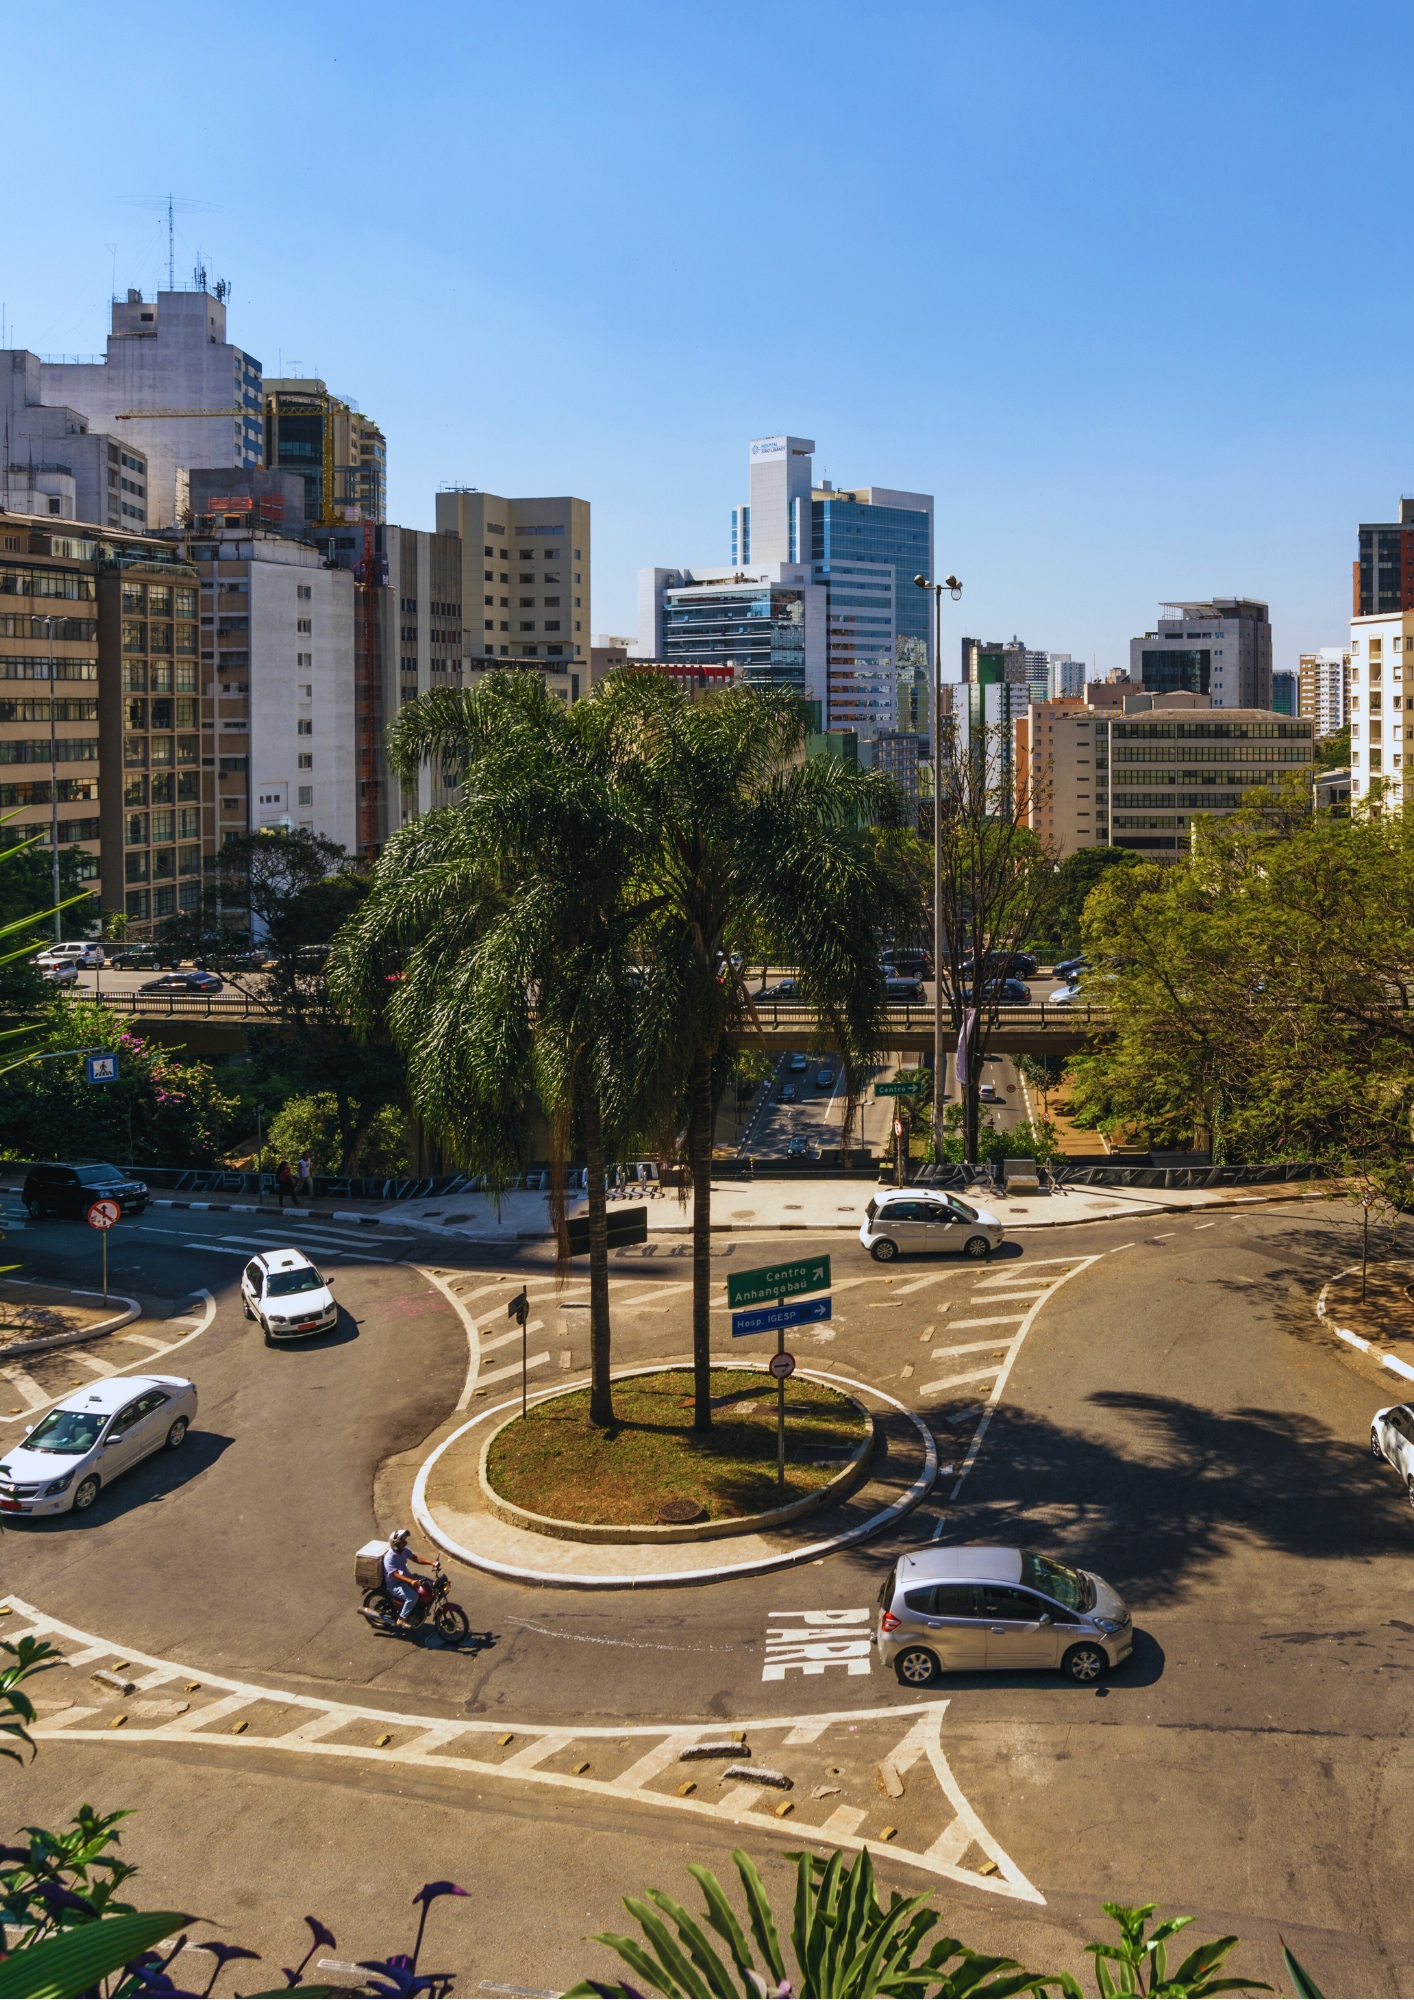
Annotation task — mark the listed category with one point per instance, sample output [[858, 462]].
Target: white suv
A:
[[87, 954]]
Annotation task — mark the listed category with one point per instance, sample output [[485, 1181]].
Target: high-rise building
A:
[[1383, 579], [55, 463], [1065, 677], [765, 619], [525, 584], [1324, 688], [89, 617], [1167, 762], [173, 389], [895, 752], [328, 441], [1379, 647], [1221, 647], [1284, 693], [1054, 752]]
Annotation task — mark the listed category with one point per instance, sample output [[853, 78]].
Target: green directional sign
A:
[[778, 1281], [908, 1086]]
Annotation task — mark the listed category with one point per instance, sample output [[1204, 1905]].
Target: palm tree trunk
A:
[[699, 1154], [601, 1395]]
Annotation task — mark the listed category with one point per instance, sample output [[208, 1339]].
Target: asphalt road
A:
[[1167, 1421]]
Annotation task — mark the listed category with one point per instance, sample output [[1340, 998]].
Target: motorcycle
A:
[[432, 1608]]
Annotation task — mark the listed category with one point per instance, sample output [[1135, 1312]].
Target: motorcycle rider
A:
[[399, 1584]]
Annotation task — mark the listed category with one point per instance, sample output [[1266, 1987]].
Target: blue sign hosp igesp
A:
[[770, 1319]]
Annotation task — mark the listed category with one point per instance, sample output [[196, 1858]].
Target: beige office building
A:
[[525, 584], [1055, 759]]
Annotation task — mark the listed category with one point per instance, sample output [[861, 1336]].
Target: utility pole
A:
[[954, 588]]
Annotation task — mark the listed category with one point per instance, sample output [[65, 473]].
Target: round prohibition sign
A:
[[104, 1214], [782, 1366]]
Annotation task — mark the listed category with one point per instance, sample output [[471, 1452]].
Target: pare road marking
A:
[[469, 1748], [807, 1642]]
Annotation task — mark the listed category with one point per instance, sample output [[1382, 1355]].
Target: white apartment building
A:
[[53, 462], [172, 389], [1379, 703], [1323, 688], [277, 647]]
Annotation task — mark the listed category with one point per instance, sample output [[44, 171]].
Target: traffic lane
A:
[[807, 1116], [1170, 1427], [237, 1551]]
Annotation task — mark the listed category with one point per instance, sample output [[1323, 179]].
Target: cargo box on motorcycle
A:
[[368, 1565]]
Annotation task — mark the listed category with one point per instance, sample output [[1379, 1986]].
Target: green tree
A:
[[498, 950], [737, 840], [311, 1124], [1260, 992], [1333, 751], [1076, 875]]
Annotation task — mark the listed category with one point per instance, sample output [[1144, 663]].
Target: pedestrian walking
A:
[[305, 1182], [285, 1185]]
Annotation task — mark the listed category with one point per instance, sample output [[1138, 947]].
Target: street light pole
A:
[[951, 585]]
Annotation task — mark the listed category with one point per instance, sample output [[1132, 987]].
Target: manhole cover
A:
[[676, 1513]]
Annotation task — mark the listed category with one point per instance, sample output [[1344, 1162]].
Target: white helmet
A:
[[399, 1538]]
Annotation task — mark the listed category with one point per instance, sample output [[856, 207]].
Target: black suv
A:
[[71, 1187], [144, 958]]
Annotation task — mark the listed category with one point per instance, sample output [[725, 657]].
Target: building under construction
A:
[[340, 454]]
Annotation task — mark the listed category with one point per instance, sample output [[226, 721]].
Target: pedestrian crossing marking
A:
[[468, 1747]]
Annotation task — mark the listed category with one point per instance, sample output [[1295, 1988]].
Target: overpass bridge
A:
[[216, 1023]]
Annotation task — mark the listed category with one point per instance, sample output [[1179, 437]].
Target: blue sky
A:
[[1124, 287]]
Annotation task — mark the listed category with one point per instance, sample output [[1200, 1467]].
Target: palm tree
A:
[[497, 947], [740, 842]]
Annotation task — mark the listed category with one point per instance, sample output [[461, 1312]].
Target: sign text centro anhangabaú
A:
[[770, 1282]]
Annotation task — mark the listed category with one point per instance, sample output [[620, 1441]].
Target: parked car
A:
[[285, 1292], [787, 1094], [1010, 965], [83, 1443], [85, 953], [71, 1187], [143, 958], [194, 981], [824, 1079], [979, 1608], [927, 1221]]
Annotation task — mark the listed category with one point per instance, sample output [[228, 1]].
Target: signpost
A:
[[907, 1086], [102, 1216], [779, 1282], [519, 1308]]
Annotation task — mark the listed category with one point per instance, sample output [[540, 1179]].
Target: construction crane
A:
[[235, 410]]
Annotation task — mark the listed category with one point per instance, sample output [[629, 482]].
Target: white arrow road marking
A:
[[663, 1745]]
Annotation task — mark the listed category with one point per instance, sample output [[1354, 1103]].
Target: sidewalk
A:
[[36, 1319], [782, 1205]]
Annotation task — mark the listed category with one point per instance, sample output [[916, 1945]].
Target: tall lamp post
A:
[[954, 589]]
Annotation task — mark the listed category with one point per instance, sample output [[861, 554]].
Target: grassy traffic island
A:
[[651, 1469]]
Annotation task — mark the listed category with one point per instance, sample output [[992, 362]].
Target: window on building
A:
[[306, 795], [306, 762]]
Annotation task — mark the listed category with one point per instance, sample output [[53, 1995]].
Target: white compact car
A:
[[1392, 1438], [82, 1444], [924, 1219], [284, 1291], [86, 952]]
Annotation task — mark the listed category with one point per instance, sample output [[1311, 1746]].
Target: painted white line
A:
[[143, 1340], [922, 1724], [1205, 1225], [208, 1314], [91, 1361], [1077, 1265], [789, 1559], [459, 1307], [1002, 1319], [26, 1386], [956, 1381], [1123, 1246], [503, 1374]]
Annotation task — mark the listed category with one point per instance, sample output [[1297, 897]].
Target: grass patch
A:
[[557, 1463]]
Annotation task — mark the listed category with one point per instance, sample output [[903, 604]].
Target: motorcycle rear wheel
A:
[[451, 1621], [380, 1603]]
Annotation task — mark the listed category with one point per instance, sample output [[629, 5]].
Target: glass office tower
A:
[[760, 626]]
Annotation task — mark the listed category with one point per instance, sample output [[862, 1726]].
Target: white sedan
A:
[[283, 1290], [82, 1444], [1392, 1437]]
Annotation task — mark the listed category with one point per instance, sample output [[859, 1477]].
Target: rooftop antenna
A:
[[171, 249]]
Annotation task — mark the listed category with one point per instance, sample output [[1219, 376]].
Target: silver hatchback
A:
[[988, 1608], [925, 1219]]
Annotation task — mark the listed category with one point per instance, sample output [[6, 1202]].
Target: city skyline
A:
[[1090, 456]]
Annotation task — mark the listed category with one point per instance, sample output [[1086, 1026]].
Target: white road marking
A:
[[956, 1381], [35, 1397], [1204, 1225], [810, 1641], [1002, 1319], [142, 1340], [92, 1361], [208, 1314], [488, 1375]]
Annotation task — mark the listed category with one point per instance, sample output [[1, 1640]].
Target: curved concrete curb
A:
[[646, 1535], [788, 1559], [58, 1340], [1376, 1354]]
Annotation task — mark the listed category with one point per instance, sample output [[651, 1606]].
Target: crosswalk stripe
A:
[[28, 1388], [489, 1375], [956, 1381]]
